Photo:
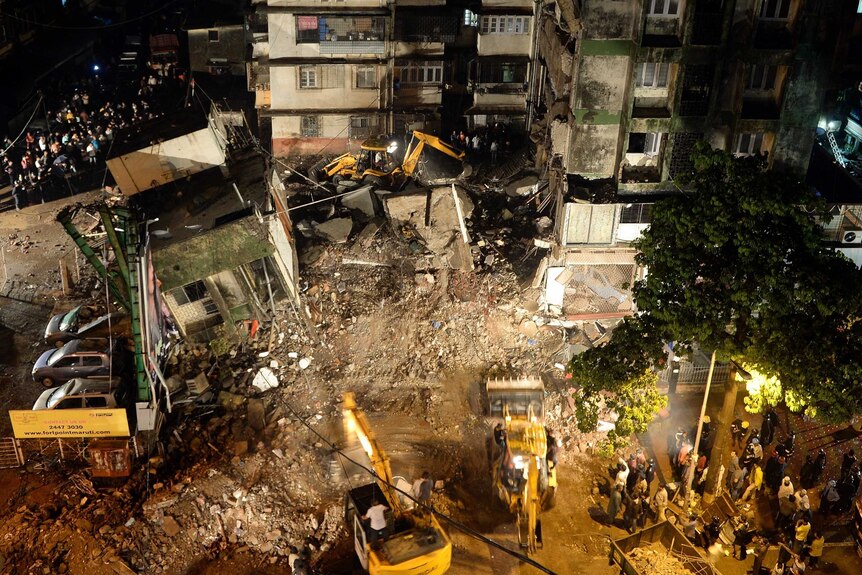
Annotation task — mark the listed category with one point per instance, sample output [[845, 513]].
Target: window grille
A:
[[309, 126]]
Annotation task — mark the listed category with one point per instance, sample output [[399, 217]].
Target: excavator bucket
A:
[[523, 396]]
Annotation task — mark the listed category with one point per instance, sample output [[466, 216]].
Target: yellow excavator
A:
[[376, 162], [415, 543], [524, 476]]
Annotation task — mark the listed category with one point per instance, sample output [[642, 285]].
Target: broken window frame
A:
[[191, 292], [778, 10], [652, 75], [761, 78], [308, 78], [505, 24], [366, 77], [749, 144], [651, 143], [663, 8], [309, 126], [417, 72]]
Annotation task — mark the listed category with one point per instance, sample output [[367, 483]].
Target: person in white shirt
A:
[[786, 488], [376, 515]]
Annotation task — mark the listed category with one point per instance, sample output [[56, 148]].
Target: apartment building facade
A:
[[328, 74], [629, 86]]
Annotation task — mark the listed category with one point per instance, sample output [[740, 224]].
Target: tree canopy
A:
[[737, 263]]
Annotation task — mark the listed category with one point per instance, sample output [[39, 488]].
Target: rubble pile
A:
[[656, 560]]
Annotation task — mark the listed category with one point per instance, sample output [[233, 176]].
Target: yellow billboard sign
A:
[[60, 423]]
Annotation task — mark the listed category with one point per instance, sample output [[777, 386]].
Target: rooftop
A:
[[161, 129]]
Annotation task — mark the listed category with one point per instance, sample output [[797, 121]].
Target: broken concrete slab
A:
[[265, 379], [523, 187], [360, 200], [335, 230]]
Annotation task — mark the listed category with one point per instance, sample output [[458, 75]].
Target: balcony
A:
[[338, 46]]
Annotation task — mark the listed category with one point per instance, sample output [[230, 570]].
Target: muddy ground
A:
[[241, 481]]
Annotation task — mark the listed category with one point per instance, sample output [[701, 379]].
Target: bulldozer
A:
[[415, 543], [377, 162], [524, 478]]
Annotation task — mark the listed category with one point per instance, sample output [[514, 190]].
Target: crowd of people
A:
[[758, 476], [492, 142], [76, 132]]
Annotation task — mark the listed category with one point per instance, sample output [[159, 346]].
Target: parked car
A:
[[78, 358], [81, 393], [78, 323]]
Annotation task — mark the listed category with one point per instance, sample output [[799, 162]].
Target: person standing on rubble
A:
[[422, 488]]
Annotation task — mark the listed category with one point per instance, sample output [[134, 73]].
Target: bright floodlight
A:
[[95, 67], [392, 147], [833, 125]]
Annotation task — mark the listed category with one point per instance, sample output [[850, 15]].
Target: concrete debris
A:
[[361, 200], [170, 526], [304, 363], [265, 379], [335, 230], [256, 414], [523, 187]]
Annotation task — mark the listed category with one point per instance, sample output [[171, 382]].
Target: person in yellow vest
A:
[[803, 527], [815, 551], [756, 481]]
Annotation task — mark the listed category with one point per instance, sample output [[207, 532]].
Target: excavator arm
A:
[[417, 146], [358, 424]]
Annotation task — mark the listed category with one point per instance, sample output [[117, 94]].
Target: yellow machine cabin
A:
[[414, 544], [523, 476]]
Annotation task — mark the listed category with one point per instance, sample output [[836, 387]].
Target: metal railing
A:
[[694, 376], [11, 454]]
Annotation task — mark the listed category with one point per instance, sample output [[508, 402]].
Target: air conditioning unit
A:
[[852, 237]]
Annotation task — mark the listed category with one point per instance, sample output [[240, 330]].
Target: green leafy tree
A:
[[617, 376], [738, 265]]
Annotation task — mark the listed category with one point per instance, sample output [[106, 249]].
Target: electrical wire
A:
[[24, 129], [101, 27]]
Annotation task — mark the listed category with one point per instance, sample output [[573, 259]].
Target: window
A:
[[505, 24], [662, 7], [652, 74], [761, 77], [749, 144], [647, 143], [366, 77], [92, 361], [190, 293], [361, 126], [471, 19], [95, 402], [212, 35], [210, 308], [504, 73], [309, 126], [68, 362], [307, 77], [418, 72], [307, 30], [775, 9]]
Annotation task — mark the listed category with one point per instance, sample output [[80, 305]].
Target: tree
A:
[[617, 376], [738, 264]]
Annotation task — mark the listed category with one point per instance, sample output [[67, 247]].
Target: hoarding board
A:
[[73, 423]]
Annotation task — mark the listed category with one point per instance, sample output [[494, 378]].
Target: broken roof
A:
[[161, 129]]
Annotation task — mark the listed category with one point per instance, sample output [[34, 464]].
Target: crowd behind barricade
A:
[[82, 119], [758, 477]]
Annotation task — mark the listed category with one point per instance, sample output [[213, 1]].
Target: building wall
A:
[[337, 87], [230, 47], [335, 135]]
